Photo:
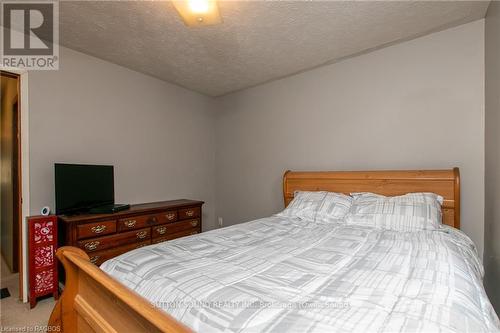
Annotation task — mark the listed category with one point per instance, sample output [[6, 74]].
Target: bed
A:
[[280, 274]]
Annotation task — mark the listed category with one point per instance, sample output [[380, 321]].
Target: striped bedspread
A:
[[284, 275]]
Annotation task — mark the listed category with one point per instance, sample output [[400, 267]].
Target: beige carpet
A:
[[14, 313]]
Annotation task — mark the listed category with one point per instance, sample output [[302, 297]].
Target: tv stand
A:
[[104, 236]]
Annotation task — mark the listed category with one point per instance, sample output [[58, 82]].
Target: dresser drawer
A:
[[95, 229], [173, 228], [137, 222], [99, 257], [106, 242], [189, 213], [168, 217], [159, 231], [174, 236], [168, 229]]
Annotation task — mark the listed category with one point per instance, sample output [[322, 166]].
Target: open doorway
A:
[[10, 174]]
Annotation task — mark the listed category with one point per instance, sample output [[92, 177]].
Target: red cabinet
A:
[[42, 238]]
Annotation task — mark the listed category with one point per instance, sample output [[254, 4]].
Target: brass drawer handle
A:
[[161, 230], [94, 259], [130, 223], [98, 229], [194, 223], [190, 213], [170, 216], [142, 234], [92, 245]]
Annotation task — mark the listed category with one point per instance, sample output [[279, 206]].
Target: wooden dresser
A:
[[104, 236]]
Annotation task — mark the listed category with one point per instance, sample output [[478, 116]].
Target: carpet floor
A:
[[16, 315]]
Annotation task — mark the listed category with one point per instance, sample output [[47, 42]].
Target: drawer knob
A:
[[130, 223], [190, 213], [170, 216], [142, 234], [91, 246], [94, 259], [98, 229], [161, 230], [194, 223]]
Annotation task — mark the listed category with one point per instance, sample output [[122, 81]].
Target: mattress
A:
[[287, 275]]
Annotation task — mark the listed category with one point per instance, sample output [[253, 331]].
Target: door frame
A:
[[24, 178]]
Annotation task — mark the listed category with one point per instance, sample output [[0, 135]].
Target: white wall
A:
[[159, 137], [415, 105], [492, 144]]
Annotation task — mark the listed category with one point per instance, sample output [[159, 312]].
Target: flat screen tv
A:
[[80, 187]]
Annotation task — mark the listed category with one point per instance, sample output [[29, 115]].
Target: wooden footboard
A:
[[92, 301]]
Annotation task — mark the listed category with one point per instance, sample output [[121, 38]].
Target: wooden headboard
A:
[[443, 182]]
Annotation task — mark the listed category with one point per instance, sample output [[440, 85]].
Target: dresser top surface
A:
[[134, 209]]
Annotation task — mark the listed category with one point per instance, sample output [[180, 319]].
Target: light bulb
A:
[[198, 6], [197, 13]]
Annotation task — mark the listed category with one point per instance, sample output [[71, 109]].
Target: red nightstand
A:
[[42, 238]]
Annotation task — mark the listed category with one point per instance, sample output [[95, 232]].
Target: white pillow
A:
[[318, 206], [409, 212], [334, 206], [413, 196]]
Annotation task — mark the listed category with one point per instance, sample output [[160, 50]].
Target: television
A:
[[81, 187]]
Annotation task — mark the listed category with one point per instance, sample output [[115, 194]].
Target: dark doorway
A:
[[10, 170]]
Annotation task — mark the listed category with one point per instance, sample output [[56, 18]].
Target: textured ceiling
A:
[[257, 41]]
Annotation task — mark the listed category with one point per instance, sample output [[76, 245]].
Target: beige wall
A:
[[159, 137], [492, 165], [415, 105], [8, 98]]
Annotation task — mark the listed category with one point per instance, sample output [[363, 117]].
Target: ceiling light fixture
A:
[[198, 12], [198, 6]]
